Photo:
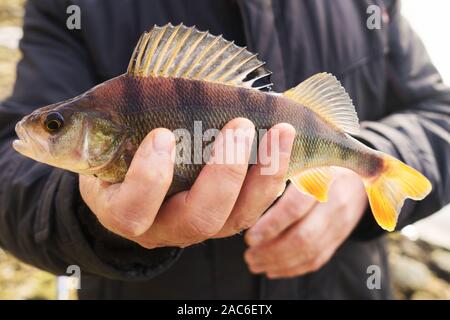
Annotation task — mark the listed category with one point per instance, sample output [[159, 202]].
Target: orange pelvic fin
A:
[[315, 182]]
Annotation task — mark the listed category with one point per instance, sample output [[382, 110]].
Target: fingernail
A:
[[163, 141]]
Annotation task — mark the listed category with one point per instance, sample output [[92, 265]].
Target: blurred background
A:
[[419, 254]]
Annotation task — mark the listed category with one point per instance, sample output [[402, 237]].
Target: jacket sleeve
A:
[[417, 129], [43, 220]]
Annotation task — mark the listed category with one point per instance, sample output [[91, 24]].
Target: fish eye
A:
[[54, 121]]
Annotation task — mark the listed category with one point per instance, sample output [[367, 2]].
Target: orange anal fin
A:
[[315, 182]]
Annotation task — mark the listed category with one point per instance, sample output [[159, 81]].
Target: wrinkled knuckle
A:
[[202, 228], [157, 175], [291, 210], [301, 238], [233, 173], [202, 232], [127, 229], [127, 222], [247, 224], [272, 228], [244, 224]]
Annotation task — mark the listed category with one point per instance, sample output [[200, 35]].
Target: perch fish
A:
[[178, 75]]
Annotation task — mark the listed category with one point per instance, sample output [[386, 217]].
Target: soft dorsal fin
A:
[[324, 94], [179, 51]]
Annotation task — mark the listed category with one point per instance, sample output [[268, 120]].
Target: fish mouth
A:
[[20, 145], [24, 144], [20, 132]]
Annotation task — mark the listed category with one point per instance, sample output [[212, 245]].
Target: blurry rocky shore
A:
[[420, 269]]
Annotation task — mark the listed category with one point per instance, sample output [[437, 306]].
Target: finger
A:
[[311, 260], [302, 242], [302, 268], [130, 207], [203, 210], [264, 180], [291, 207]]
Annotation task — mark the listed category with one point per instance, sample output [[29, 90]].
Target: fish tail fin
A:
[[388, 190]]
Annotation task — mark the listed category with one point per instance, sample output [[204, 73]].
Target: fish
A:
[[178, 75]]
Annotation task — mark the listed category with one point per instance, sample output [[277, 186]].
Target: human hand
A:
[[224, 199], [299, 235]]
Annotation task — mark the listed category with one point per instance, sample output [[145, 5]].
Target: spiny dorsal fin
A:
[[179, 51], [315, 182], [324, 94]]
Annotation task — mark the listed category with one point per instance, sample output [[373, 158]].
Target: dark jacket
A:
[[399, 96]]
